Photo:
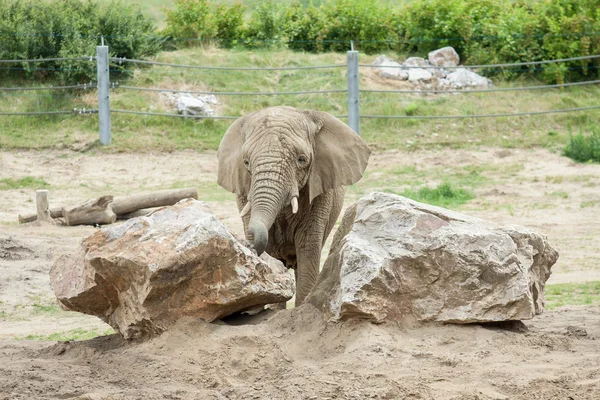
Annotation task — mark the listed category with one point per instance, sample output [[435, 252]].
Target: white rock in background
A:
[[188, 105], [394, 259], [464, 78], [415, 62], [419, 74], [439, 73], [210, 99], [143, 275], [389, 68], [444, 57]]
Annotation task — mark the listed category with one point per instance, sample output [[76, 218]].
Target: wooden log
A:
[[127, 204], [92, 212], [124, 207], [43, 205], [137, 213], [54, 213]]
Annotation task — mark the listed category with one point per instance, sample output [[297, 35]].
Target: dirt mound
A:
[[293, 354]]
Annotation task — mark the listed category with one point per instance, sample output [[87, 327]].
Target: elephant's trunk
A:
[[260, 235], [267, 196]]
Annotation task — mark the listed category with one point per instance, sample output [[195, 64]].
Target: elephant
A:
[[288, 168]]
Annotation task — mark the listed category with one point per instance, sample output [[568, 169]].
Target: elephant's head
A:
[[271, 155]]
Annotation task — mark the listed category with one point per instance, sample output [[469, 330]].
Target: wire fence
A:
[[352, 72]]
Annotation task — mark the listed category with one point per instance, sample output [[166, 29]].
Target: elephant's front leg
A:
[[309, 241], [308, 254]]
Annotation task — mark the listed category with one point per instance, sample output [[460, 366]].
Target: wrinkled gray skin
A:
[[278, 154]]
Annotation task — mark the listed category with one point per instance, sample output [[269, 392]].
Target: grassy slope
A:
[[136, 133]]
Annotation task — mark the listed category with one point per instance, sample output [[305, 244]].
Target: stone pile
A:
[[438, 72]]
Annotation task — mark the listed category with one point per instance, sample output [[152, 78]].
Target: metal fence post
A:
[[103, 93], [353, 101]]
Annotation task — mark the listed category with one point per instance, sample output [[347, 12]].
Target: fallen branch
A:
[[54, 213], [101, 211], [92, 212], [127, 204]]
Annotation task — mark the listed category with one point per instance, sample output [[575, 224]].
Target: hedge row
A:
[[482, 31], [70, 28]]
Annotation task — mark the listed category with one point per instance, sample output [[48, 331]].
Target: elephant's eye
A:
[[247, 163], [302, 159]]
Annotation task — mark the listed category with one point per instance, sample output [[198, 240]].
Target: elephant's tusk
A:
[[294, 205], [246, 209]]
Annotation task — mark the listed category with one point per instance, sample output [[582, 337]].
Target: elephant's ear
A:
[[232, 175], [340, 155]]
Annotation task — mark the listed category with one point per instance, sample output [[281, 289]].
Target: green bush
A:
[[266, 26], [202, 21], [431, 24], [304, 28], [229, 20], [583, 148], [70, 28], [191, 19], [372, 24]]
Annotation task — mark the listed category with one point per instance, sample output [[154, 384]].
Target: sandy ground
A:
[[293, 354]]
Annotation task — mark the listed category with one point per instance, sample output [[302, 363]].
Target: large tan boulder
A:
[[141, 276], [396, 259], [444, 57]]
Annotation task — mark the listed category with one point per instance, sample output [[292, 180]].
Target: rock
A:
[[210, 99], [188, 105], [444, 57], [415, 62], [439, 73], [462, 78], [394, 259], [419, 74], [141, 276], [389, 68]]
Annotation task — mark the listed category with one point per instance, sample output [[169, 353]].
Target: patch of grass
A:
[[591, 203], [555, 179], [46, 308], [584, 148], [444, 195], [561, 194], [28, 182], [587, 293], [41, 306], [74, 334]]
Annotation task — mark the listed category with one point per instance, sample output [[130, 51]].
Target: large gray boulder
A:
[[444, 57], [143, 275], [396, 259]]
